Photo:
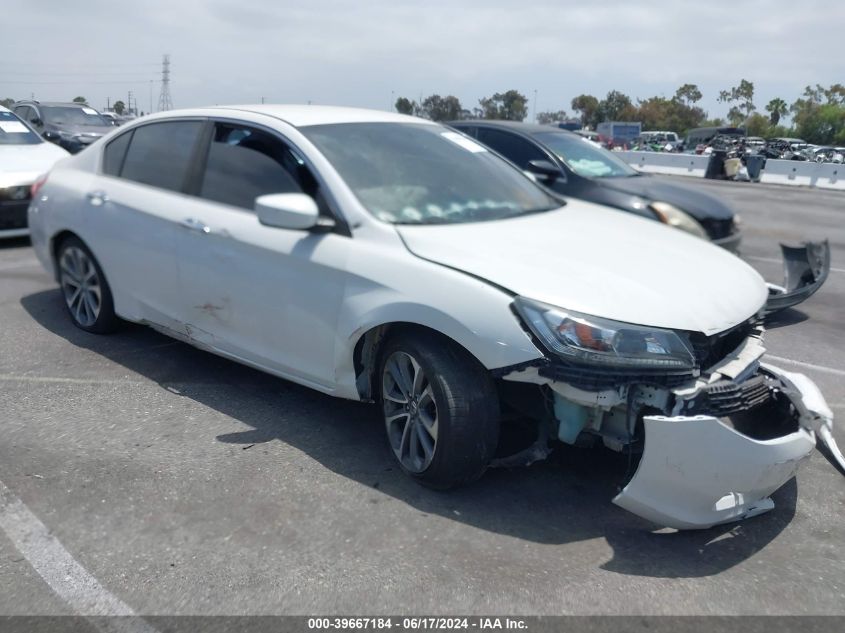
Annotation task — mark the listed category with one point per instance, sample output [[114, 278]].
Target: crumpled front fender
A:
[[805, 269], [696, 471]]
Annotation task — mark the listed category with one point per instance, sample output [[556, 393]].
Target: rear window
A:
[[13, 131], [159, 154]]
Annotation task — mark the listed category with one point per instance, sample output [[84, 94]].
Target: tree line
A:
[[817, 116]]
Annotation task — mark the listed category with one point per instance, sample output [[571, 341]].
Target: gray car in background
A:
[[72, 126]]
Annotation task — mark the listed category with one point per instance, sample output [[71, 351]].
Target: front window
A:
[[13, 131], [60, 115], [583, 156], [412, 173]]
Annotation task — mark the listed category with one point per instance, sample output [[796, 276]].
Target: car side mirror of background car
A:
[[287, 210], [544, 170], [51, 136]]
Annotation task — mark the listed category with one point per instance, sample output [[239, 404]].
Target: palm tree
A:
[[776, 108]]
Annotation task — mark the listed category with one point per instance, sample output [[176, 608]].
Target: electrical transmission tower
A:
[[164, 100]]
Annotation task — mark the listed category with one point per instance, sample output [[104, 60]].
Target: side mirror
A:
[[287, 210], [37, 122], [544, 170], [51, 136]]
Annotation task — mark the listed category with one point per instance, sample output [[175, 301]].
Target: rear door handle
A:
[[97, 198], [195, 225]]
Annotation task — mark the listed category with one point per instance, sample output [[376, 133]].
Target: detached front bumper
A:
[[697, 471], [805, 269]]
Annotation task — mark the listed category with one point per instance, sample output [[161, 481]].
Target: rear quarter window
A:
[[115, 153]]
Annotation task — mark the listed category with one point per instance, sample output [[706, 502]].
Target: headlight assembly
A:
[[673, 216], [596, 341]]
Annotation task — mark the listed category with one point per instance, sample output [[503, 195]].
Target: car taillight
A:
[[36, 186]]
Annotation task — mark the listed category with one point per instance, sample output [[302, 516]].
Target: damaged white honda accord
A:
[[379, 257]]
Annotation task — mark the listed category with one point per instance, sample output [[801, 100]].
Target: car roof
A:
[[299, 115], [63, 104], [516, 126]]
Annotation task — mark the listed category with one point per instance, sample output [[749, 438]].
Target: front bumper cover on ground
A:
[[805, 269], [697, 472]]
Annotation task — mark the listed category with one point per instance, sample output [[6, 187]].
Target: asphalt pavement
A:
[[139, 473]]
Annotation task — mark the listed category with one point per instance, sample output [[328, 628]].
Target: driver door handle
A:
[[195, 225]]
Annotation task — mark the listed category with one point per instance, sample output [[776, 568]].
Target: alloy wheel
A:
[[80, 285], [410, 411]]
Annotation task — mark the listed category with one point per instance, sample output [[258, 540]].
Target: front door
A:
[[265, 295]]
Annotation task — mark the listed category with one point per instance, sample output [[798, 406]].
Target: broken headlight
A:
[[588, 339], [673, 216]]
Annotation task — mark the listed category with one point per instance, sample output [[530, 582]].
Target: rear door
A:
[[137, 203], [265, 295]]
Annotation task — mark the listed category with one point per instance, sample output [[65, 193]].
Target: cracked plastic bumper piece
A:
[[805, 269], [696, 471]]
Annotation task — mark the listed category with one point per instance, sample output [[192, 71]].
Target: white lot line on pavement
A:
[[780, 261], [65, 576], [800, 363], [60, 379], [30, 263]]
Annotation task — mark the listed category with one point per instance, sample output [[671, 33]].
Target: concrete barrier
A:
[[790, 172], [830, 176], [666, 163], [779, 172]]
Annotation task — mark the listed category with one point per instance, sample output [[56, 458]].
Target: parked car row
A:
[[379, 257], [778, 148]]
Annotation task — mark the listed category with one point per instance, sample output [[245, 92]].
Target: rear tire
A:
[[440, 408], [86, 292]]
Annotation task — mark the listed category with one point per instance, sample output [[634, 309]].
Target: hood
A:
[[597, 261], [92, 131], [698, 204], [22, 164]]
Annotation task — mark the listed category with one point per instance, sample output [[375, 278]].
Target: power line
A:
[[69, 83], [94, 73], [24, 64]]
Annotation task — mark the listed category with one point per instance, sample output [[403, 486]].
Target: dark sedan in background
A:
[[573, 166], [73, 126]]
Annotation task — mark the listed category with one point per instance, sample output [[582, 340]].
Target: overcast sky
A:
[[368, 53]]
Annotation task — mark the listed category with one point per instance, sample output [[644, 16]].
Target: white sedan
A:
[[24, 156], [379, 257]]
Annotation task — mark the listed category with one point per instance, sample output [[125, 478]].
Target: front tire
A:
[[440, 407], [86, 292]]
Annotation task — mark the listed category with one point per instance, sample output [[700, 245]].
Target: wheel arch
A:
[[55, 242], [367, 350], [368, 346]]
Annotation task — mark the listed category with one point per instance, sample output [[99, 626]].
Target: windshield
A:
[[73, 116], [412, 173], [584, 157], [13, 131]]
